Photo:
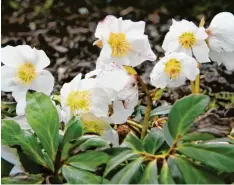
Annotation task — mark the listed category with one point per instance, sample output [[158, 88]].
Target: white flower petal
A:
[[22, 121], [11, 56], [105, 55], [100, 103], [88, 83], [20, 107], [44, 82], [113, 77], [201, 52], [224, 57], [176, 82], [19, 92], [201, 34], [8, 83], [141, 48], [42, 61], [112, 136], [92, 73], [190, 67], [10, 154], [104, 27], [170, 43], [221, 32], [133, 29], [120, 113], [158, 77], [28, 53]]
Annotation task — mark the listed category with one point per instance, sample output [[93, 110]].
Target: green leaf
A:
[[125, 175], [133, 142], [184, 112], [23, 179], [153, 140], [197, 136], [88, 160], [73, 130], [150, 175], [164, 109], [194, 174], [115, 161], [95, 142], [175, 172], [218, 156], [165, 175], [42, 116], [77, 176], [13, 135], [167, 134]]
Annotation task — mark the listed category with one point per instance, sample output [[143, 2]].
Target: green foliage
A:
[[153, 140], [150, 173], [13, 135], [184, 113], [23, 179], [167, 156], [43, 122], [222, 154], [78, 176]]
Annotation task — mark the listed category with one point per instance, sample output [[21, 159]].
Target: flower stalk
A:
[[197, 81], [148, 107]]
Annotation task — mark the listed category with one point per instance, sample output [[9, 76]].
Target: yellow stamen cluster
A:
[[79, 101], [187, 40], [26, 73], [92, 126], [173, 68], [119, 44]]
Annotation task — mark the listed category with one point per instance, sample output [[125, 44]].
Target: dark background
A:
[[65, 31]]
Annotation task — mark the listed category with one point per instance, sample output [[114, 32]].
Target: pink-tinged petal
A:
[[107, 25]]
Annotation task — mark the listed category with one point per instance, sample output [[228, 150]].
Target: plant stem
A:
[[192, 87], [197, 81], [148, 108], [135, 124]]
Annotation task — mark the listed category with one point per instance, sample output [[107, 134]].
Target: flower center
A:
[[187, 40], [173, 68], [26, 73], [119, 44], [79, 101], [92, 126]]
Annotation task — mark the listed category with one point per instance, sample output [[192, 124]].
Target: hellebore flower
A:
[[83, 96], [186, 37], [23, 69], [220, 39], [173, 69], [123, 42], [121, 88]]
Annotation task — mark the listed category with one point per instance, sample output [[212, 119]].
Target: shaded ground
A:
[[65, 31]]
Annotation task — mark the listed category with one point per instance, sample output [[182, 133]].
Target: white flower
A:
[[221, 40], [173, 69], [10, 154], [100, 126], [82, 96], [23, 69], [186, 37], [121, 89], [123, 42]]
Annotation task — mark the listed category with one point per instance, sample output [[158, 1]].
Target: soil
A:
[[65, 31]]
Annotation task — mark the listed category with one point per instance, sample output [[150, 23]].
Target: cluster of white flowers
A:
[[186, 44], [109, 94]]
